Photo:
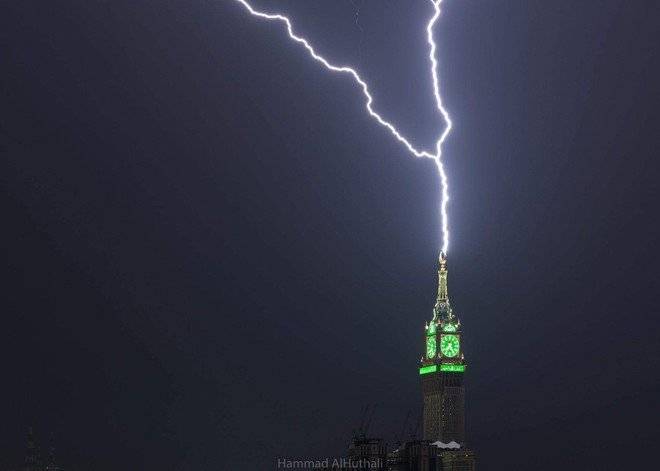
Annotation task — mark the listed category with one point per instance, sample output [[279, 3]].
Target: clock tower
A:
[[441, 370]]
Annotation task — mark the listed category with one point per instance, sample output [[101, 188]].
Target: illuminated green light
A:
[[428, 369], [430, 347], [450, 367], [431, 329], [449, 328]]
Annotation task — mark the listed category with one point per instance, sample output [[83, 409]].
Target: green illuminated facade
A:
[[442, 368], [428, 369], [430, 346], [454, 368]]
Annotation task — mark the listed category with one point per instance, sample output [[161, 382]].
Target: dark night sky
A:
[[213, 256]]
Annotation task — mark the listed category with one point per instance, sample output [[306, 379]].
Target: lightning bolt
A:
[[436, 155]]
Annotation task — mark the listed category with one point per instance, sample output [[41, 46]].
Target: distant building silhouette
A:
[[367, 454], [422, 455], [33, 459]]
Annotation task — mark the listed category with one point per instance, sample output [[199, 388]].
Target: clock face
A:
[[450, 345], [430, 346]]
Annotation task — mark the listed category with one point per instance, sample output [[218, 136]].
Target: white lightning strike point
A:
[[436, 156]]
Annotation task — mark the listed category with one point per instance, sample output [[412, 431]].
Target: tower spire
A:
[[442, 307], [442, 278]]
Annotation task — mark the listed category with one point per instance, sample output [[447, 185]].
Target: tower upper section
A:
[[442, 335]]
